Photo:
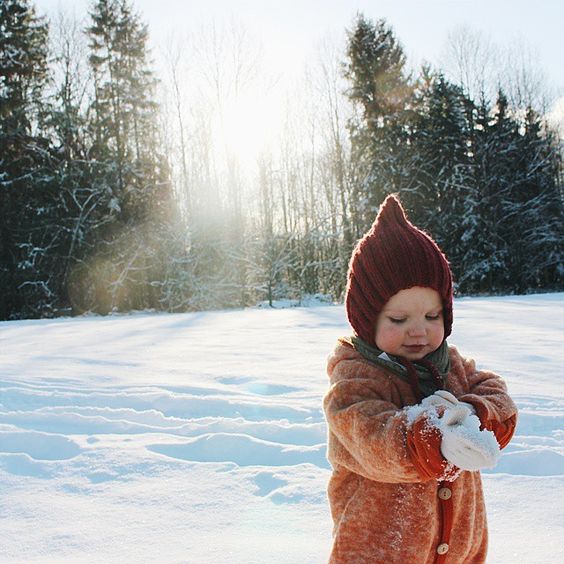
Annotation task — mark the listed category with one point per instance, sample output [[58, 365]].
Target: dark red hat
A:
[[393, 255]]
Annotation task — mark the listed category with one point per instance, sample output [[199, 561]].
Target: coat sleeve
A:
[[369, 435], [495, 409]]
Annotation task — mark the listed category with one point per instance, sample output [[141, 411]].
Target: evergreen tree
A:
[[440, 194], [517, 203], [533, 215], [125, 129], [26, 198], [380, 91]]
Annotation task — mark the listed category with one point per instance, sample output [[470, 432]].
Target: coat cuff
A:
[[503, 430], [424, 448]]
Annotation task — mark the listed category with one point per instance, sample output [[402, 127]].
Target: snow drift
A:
[[200, 437]]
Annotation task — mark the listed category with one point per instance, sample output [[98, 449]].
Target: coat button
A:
[[445, 493], [442, 548]]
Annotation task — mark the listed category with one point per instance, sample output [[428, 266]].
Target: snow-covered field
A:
[[200, 437]]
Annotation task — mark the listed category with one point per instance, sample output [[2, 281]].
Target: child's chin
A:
[[414, 357]]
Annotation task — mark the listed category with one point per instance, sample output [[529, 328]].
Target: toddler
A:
[[411, 422]]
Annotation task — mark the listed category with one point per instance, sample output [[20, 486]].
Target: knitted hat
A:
[[393, 255]]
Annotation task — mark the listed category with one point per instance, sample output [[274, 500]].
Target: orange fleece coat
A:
[[387, 491]]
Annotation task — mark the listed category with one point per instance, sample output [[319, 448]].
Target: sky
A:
[[287, 36], [291, 29]]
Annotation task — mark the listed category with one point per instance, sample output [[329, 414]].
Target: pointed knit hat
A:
[[393, 255]]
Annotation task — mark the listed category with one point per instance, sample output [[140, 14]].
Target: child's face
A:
[[411, 323]]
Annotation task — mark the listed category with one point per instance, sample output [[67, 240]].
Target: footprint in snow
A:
[[38, 446], [243, 450], [266, 483]]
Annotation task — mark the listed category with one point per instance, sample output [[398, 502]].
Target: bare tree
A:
[[523, 78], [483, 67], [470, 59]]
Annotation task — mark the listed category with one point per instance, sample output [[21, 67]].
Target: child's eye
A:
[[396, 320], [433, 317]]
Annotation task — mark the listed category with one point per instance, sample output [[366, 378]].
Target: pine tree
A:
[[380, 90], [26, 199], [440, 194], [533, 214], [514, 242]]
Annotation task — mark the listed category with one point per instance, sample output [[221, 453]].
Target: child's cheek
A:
[[395, 332], [389, 338]]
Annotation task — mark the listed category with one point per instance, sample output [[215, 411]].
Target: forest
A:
[[120, 190]]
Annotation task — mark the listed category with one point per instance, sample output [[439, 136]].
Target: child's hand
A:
[[463, 444]]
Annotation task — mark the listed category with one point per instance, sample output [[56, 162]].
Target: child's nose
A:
[[417, 330]]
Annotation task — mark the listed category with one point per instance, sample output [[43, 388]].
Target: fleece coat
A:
[[393, 497]]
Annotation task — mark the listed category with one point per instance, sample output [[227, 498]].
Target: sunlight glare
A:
[[248, 126]]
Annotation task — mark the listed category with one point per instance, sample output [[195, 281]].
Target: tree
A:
[[533, 215], [380, 90], [81, 199], [442, 190], [126, 269], [25, 189]]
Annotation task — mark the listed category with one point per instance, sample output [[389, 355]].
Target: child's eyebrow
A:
[[405, 311]]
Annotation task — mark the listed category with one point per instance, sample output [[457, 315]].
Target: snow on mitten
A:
[[463, 444], [440, 397], [455, 416], [446, 399]]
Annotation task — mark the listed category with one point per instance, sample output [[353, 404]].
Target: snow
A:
[[463, 444], [556, 116], [466, 446], [200, 437]]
